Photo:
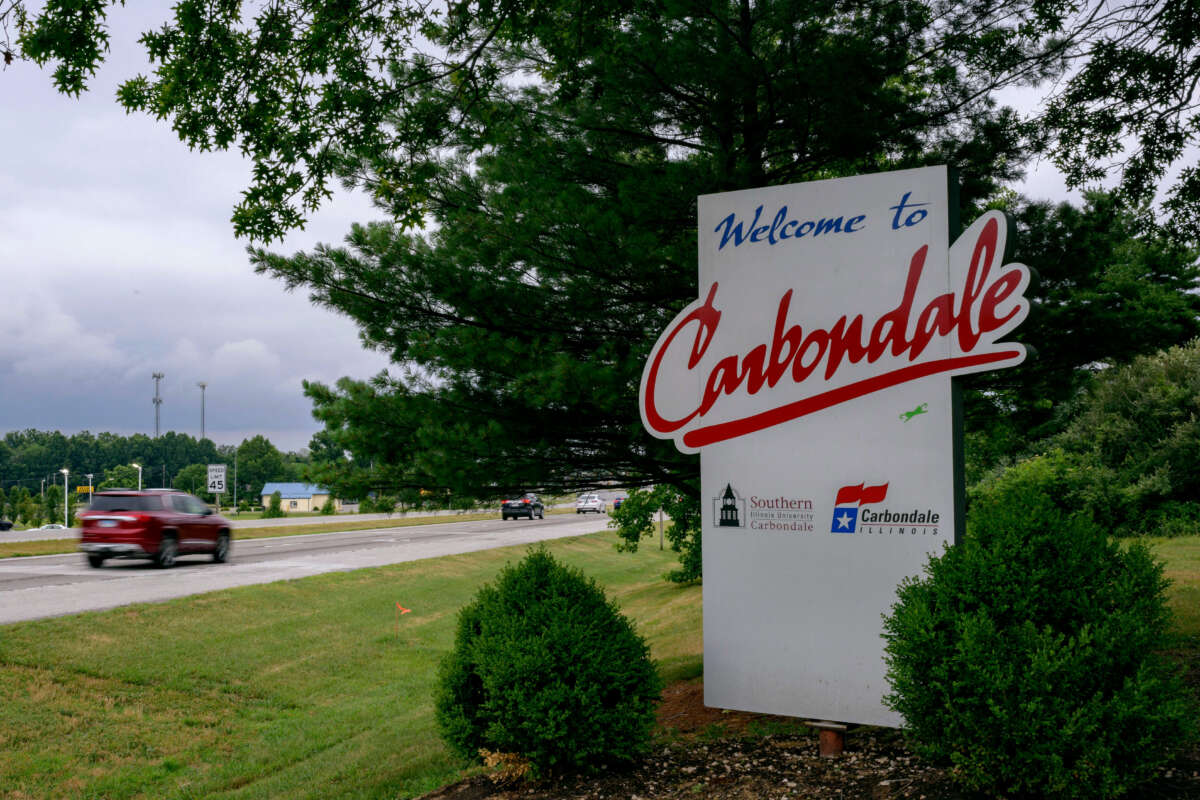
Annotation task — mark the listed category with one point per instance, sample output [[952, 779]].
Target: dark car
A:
[[156, 524], [5, 525], [527, 505]]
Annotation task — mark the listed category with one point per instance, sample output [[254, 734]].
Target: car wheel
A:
[[95, 560], [221, 553], [168, 550], [542, 514]]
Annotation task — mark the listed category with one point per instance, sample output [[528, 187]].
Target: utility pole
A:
[[66, 513], [202, 386], [158, 376]]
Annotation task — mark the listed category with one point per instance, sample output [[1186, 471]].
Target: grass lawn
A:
[[299, 689], [303, 689], [51, 547], [1181, 555]]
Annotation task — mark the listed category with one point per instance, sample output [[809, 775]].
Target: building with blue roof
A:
[[299, 496]]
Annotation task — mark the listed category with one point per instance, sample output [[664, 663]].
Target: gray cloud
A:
[[117, 259]]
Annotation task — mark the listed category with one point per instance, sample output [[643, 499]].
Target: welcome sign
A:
[[813, 375]]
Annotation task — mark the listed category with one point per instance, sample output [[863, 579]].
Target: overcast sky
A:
[[118, 260]]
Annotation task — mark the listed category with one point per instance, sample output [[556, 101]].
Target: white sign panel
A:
[[216, 478], [813, 376]]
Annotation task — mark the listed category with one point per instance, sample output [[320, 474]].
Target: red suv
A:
[[158, 524]]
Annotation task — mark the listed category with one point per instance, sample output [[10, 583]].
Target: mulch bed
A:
[[704, 752]]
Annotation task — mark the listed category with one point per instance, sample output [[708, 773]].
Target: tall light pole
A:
[[66, 513], [90, 474], [158, 376], [202, 386], [139, 469]]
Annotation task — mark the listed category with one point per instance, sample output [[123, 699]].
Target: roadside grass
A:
[[297, 689], [50, 547], [304, 689], [1181, 558]]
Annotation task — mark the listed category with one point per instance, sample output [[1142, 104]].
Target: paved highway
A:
[[50, 586]]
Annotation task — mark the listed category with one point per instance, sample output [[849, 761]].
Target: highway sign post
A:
[[216, 481]]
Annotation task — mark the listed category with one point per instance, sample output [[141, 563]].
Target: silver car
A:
[[591, 502]]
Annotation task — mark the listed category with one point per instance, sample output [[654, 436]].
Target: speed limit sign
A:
[[216, 478]]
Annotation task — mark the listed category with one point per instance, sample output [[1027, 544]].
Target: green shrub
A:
[[1027, 656], [328, 508], [546, 668], [274, 509]]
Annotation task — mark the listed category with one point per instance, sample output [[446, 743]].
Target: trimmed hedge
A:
[[1027, 657], [545, 667]]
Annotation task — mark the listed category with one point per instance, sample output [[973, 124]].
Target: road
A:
[[51, 586], [37, 535]]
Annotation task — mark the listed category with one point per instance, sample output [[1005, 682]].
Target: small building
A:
[[299, 496]]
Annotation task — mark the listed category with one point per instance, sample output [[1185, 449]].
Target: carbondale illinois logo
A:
[[848, 502], [850, 516]]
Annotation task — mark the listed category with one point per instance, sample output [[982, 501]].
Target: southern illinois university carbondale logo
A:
[[729, 510], [848, 501]]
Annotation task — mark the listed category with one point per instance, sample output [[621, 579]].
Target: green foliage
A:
[[383, 504], [259, 463], [30, 455], [636, 520], [572, 197], [327, 508], [274, 509], [1129, 458], [1027, 657], [193, 478], [1133, 102], [545, 667], [1137, 435], [121, 476], [1105, 292]]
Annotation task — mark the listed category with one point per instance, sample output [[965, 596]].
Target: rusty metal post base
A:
[[831, 738]]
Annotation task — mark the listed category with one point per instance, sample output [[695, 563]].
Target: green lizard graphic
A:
[[921, 409]]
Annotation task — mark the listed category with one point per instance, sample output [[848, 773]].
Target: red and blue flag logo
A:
[[848, 501]]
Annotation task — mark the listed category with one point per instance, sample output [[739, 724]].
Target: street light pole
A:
[[158, 376], [202, 386], [90, 474], [139, 469], [66, 513]]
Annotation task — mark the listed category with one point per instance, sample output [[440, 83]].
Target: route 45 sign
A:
[[216, 478], [813, 376]]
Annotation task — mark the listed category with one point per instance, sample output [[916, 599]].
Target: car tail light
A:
[[525, 501]]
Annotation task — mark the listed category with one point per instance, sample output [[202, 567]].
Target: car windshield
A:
[[125, 502]]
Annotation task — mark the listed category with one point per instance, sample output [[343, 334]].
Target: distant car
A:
[[157, 524], [527, 505], [53, 526], [617, 502], [591, 502], [5, 525]]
